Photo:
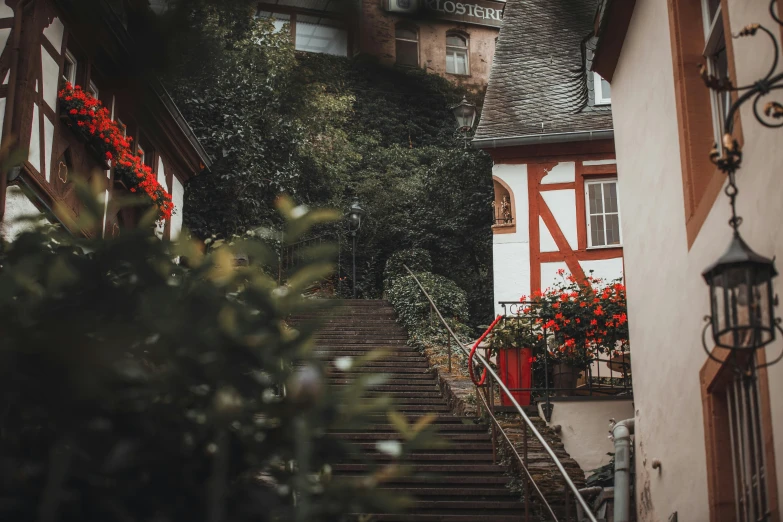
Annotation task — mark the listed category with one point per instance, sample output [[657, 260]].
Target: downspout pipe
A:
[[621, 435]]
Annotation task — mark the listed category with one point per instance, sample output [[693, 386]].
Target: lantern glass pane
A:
[[719, 308], [762, 309]]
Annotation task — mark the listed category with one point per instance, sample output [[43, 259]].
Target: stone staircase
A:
[[455, 484]]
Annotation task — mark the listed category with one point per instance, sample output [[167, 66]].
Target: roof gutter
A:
[[539, 139]]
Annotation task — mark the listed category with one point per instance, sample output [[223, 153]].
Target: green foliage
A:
[[135, 388], [417, 259], [414, 311], [323, 129], [603, 475]]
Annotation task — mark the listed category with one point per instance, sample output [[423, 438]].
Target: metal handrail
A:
[[569, 483]]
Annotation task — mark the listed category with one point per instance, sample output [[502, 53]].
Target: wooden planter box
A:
[[515, 365], [85, 139]]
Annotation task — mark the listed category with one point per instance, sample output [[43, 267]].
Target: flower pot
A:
[[564, 379], [514, 365]]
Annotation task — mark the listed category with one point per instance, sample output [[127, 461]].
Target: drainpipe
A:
[[621, 435]]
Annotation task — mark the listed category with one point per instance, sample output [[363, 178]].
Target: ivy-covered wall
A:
[[325, 129]]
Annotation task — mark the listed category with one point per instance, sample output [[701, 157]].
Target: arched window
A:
[[503, 207], [407, 48], [457, 54]]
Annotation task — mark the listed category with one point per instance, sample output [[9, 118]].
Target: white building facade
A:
[[675, 224]]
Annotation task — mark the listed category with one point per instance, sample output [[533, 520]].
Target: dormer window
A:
[[602, 89]]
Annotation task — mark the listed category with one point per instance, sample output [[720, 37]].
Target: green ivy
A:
[[417, 259]]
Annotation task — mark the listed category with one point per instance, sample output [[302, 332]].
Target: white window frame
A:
[[70, 58], [93, 89], [459, 49], [598, 181], [714, 35], [598, 89]]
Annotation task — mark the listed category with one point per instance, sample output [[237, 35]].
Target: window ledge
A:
[[458, 74], [604, 247]]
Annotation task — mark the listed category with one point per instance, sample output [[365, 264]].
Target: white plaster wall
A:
[[564, 172], [160, 228], [4, 34], [549, 274], [562, 203], [48, 142], [584, 428], [178, 198], [511, 252], [34, 154], [54, 33], [667, 297], [5, 11], [51, 78], [606, 269], [17, 205], [2, 112], [546, 241]]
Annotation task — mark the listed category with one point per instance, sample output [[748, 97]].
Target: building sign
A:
[[481, 12]]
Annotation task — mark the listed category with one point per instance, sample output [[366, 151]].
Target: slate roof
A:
[[539, 82]]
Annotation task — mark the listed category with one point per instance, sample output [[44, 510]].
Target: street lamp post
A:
[[355, 218], [465, 113]]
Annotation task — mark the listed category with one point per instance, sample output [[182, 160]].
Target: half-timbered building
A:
[[46, 44], [547, 123]]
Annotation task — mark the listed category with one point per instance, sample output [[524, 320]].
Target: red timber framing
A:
[[44, 32], [539, 162]]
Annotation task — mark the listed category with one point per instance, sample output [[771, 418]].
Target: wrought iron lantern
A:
[[355, 217], [742, 299], [465, 113]]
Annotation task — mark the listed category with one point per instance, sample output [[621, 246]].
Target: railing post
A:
[[525, 491], [567, 503], [491, 387], [449, 338]]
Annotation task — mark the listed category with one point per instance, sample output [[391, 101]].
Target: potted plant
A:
[[515, 341], [579, 321]]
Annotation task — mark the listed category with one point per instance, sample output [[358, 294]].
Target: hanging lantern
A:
[[741, 298]]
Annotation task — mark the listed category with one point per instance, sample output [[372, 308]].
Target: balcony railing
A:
[[571, 495], [606, 376]]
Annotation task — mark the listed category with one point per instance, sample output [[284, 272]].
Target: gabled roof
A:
[[538, 88]]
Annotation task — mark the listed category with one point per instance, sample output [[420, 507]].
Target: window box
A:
[[84, 138]]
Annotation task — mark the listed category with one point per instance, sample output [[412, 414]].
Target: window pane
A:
[[712, 8], [612, 229], [594, 198], [450, 66], [407, 53], [597, 230], [610, 197], [606, 90], [462, 62], [321, 39], [407, 34], [456, 41]]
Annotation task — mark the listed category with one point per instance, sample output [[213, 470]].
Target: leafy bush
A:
[[417, 259], [424, 328], [136, 389]]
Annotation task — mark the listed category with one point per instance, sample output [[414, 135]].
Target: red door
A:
[[515, 372]]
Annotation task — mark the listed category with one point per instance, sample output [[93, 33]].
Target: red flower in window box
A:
[[87, 116]]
